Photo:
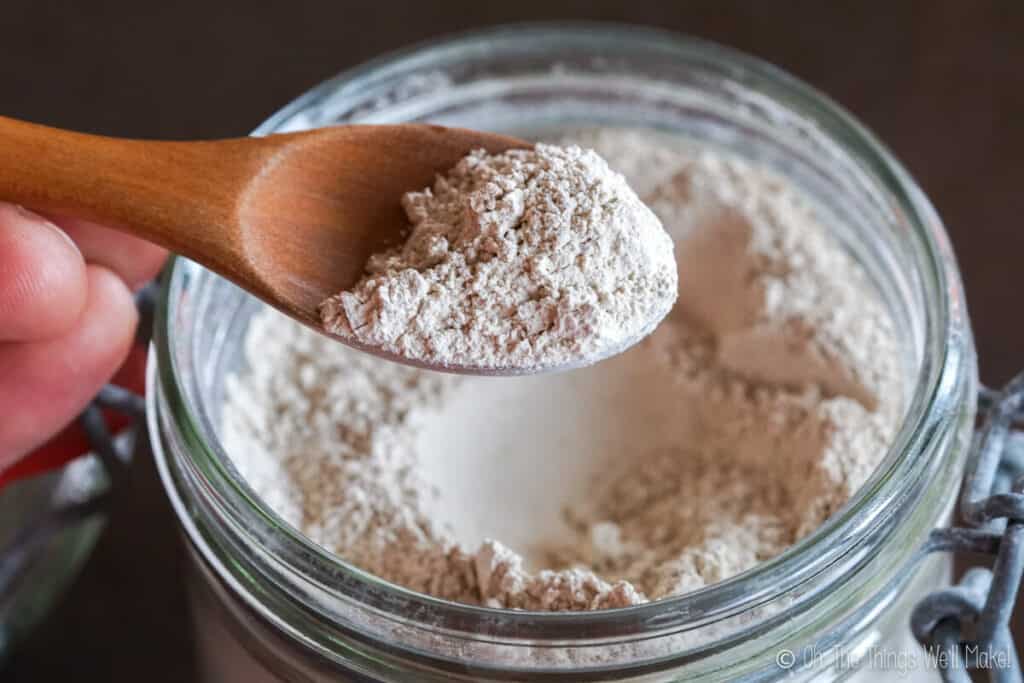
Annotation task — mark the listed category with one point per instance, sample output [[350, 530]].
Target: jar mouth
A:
[[932, 401]]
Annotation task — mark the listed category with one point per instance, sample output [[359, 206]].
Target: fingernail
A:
[[32, 216]]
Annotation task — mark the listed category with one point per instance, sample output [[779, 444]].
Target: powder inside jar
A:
[[766, 398]]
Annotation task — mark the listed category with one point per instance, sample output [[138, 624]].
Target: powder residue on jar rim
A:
[[528, 259], [766, 398]]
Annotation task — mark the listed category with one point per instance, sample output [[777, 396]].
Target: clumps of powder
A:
[[760, 405], [530, 258], [327, 437]]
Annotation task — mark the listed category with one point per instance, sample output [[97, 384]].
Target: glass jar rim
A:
[[932, 400]]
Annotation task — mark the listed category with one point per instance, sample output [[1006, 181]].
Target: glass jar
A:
[[272, 606]]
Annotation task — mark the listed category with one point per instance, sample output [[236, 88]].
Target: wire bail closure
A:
[[967, 627]]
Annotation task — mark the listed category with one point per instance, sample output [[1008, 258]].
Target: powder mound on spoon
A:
[[527, 259]]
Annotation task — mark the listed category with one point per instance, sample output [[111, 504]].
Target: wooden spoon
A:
[[291, 218]]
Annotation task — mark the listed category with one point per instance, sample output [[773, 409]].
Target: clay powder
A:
[[531, 258], [762, 402]]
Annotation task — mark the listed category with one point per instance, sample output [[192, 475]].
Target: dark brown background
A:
[[941, 82]]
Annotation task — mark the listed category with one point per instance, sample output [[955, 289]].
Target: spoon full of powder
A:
[[530, 260], [518, 262]]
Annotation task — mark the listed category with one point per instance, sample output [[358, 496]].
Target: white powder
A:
[[753, 412], [527, 259]]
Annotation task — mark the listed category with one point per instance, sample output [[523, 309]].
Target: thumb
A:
[[42, 277]]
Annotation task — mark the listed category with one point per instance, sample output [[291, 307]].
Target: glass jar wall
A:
[[270, 601]]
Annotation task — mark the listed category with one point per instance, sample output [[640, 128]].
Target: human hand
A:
[[67, 319]]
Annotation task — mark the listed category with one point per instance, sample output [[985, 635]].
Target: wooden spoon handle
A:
[[169, 193]]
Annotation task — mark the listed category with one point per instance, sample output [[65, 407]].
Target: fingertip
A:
[[135, 260], [110, 308], [43, 289]]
